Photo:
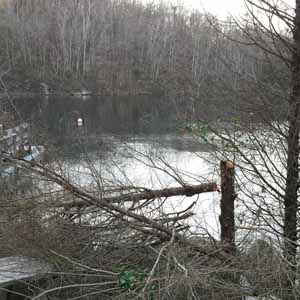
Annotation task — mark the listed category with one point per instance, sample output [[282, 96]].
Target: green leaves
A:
[[201, 129], [130, 278]]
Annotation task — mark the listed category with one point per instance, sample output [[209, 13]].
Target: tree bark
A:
[[292, 178], [231, 278], [227, 207], [151, 194]]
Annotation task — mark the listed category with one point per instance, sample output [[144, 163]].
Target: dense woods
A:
[[127, 48]]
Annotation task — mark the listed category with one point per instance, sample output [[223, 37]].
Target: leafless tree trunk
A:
[[292, 178], [227, 206]]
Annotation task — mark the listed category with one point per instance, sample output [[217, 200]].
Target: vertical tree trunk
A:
[[290, 201], [227, 206], [231, 278], [292, 179]]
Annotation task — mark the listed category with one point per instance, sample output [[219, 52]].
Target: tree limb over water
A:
[[134, 219], [187, 191]]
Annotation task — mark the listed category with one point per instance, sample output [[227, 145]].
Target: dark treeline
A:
[[125, 48]]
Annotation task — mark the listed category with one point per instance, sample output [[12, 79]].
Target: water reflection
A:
[[101, 114]]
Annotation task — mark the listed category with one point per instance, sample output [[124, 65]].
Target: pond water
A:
[[153, 159], [156, 162], [153, 162], [143, 114]]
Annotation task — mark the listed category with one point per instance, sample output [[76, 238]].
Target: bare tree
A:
[[276, 173]]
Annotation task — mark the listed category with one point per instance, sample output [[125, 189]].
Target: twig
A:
[[157, 260]]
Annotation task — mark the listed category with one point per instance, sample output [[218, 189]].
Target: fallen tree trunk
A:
[[187, 191], [154, 228]]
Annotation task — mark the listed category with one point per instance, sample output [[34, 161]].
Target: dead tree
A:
[[227, 206]]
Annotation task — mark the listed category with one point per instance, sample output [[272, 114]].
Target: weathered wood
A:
[[187, 191], [227, 206], [231, 278]]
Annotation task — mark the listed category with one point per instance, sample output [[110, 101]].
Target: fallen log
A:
[[161, 231], [187, 191]]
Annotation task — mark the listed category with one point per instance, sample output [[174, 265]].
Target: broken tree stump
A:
[[227, 206]]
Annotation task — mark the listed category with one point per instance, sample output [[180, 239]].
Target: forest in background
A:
[[125, 48]]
